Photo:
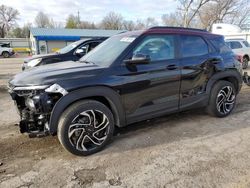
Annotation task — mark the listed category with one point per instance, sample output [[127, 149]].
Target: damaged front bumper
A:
[[35, 104]]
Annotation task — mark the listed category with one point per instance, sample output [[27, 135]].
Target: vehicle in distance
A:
[[128, 78], [6, 51], [240, 47], [72, 52]]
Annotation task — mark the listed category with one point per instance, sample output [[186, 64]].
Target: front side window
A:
[[109, 50], [192, 46], [156, 47], [69, 47], [235, 45]]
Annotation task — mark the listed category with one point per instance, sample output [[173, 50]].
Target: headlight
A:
[[34, 62], [30, 103]]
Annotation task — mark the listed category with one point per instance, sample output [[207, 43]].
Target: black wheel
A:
[[245, 62], [222, 99], [6, 54], [85, 127]]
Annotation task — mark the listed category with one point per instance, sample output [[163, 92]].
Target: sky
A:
[[90, 10]]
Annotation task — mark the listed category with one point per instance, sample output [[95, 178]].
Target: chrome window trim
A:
[[24, 88]]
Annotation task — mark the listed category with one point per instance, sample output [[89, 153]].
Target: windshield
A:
[[105, 54], [70, 47]]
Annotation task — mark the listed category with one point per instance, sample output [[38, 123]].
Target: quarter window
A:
[[220, 44], [192, 46], [235, 45], [157, 47], [246, 43]]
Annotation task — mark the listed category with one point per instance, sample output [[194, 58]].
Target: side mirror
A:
[[138, 59], [80, 52]]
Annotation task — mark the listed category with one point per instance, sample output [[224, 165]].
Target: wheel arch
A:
[[232, 76], [5, 51], [103, 94], [247, 56]]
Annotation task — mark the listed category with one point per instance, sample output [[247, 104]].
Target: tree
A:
[[112, 21], [189, 9], [21, 32], [42, 20], [150, 22], [172, 19], [128, 25], [87, 25], [54, 24], [72, 22], [224, 11], [8, 17]]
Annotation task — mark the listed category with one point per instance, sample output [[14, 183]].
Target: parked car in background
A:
[[128, 78], [5, 50], [242, 48], [72, 52]]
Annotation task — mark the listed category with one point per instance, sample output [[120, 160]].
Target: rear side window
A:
[[192, 46], [220, 45], [246, 43], [235, 45]]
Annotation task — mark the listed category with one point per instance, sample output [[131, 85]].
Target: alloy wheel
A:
[[225, 100], [88, 130]]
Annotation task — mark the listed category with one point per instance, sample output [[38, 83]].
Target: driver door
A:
[[152, 89]]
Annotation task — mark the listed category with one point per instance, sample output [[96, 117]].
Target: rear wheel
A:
[[245, 62], [6, 54], [222, 99], [85, 127]]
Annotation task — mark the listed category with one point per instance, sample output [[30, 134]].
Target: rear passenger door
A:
[[195, 69]]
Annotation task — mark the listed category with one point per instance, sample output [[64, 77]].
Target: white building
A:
[[230, 31]]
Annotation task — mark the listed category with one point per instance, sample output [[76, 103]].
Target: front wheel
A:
[[85, 127], [6, 54], [222, 99]]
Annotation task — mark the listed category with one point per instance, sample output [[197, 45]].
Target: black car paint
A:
[[61, 57], [136, 92]]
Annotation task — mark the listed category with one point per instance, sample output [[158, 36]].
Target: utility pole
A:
[[78, 18]]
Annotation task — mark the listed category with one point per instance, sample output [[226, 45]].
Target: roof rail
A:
[[185, 28]]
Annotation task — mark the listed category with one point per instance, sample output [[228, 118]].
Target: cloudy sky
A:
[[91, 10]]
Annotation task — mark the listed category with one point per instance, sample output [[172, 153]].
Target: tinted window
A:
[[70, 47], [158, 47], [220, 45], [106, 53], [246, 43], [235, 45], [193, 46]]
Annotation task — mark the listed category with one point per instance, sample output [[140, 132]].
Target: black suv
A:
[[128, 78], [72, 52]]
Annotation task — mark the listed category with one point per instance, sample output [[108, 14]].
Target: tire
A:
[[245, 63], [77, 132], [6, 54], [222, 99]]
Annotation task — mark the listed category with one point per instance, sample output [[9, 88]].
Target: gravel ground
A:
[[189, 149]]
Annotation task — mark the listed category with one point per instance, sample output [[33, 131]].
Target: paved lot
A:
[[189, 149], [8, 68]]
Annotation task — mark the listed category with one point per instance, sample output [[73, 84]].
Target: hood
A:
[[68, 71], [39, 56]]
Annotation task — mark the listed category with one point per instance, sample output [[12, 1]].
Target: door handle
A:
[[171, 67], [216, 60]]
